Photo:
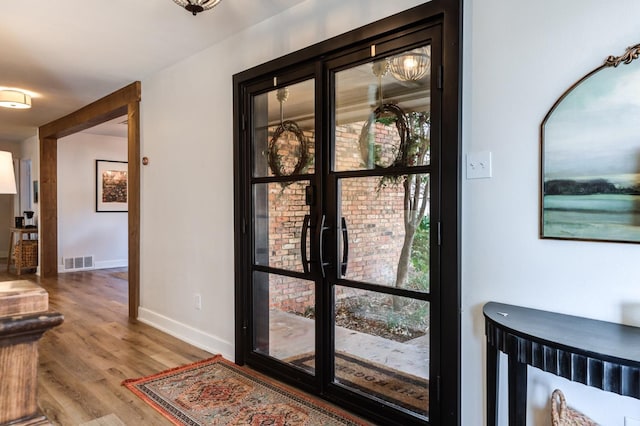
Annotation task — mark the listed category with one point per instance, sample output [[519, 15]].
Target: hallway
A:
[[83, 361]]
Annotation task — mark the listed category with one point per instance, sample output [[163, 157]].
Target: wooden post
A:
[[23, 320]]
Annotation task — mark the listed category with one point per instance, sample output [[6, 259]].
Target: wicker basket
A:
[[561, 415], [26, 252]]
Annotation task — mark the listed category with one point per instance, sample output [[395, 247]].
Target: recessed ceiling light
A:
[[14, 99]]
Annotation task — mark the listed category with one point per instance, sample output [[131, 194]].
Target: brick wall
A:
[[374, 217]]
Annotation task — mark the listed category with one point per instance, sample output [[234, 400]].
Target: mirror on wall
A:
[[590, 149]]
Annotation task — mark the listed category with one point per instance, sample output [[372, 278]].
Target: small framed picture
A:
[[111, 186]]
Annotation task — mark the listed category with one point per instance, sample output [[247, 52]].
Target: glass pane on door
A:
[[381, 169], [284, 131], [285, 330], [279, 225], [283, 293], [383, 113], [382, 347], [385, 220]]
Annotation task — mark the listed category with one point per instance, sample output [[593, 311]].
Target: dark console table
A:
[[596, 353]]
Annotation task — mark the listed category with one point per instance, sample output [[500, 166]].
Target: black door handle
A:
[[303, 243], [321, 251], [345, 248]]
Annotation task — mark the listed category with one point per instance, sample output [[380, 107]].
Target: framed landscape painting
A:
[[590, 147], [111, 186]]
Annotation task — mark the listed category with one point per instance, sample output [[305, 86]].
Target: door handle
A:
[[303, 243], [345, 247], [321, 248]]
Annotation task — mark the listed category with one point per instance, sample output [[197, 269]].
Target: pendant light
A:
[[412, 65], [197, 6]]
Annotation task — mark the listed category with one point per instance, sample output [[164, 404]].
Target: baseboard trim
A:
[[107, 264], [187, 333]]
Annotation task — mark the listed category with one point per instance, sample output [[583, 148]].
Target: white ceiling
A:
[[69, 53]]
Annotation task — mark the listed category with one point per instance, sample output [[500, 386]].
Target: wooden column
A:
[[23, 320]]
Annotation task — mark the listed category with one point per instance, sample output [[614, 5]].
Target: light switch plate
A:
[[479, 165]]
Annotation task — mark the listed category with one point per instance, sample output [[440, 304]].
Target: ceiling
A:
[[69, 53]]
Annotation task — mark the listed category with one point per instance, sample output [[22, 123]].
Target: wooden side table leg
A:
[[10, 254], [19, 248]]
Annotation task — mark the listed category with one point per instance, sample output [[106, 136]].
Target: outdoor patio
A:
[[292, 335]]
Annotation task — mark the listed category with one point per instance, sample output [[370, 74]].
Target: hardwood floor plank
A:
[[108, 420], [83, 362], [51, 407]]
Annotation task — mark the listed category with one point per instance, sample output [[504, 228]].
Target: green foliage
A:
[[420, 256], [387, 120], [420, 248]]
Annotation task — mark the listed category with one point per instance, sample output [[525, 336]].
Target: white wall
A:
[[187, 189], [519, 57], [81, 230], [29, 150]]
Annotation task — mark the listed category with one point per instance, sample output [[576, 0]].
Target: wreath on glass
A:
[[274, 158], [369, 152]]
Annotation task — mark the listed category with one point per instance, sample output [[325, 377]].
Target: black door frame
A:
[[447, 13]]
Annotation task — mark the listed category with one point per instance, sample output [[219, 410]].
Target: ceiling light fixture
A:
[[14, 99], [411, 66], [197, 6]]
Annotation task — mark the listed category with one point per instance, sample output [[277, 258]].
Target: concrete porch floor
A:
[[292, 335]]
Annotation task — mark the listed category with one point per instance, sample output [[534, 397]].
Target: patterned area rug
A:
[[399, 388], [218, 392]]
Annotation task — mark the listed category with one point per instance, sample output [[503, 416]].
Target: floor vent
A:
[[77, 263]]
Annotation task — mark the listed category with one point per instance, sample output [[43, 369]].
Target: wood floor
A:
[[84, 361]]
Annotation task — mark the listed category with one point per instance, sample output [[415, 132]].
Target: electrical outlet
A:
[[628, 421], [197, 301]]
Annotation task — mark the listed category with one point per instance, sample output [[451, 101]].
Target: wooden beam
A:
[[105, 109]]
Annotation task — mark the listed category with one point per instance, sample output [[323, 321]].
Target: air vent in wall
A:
[[68, 263], [77, 263]]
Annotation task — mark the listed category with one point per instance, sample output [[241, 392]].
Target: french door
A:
[[339, 187]]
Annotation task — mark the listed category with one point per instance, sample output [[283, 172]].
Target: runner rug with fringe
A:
[[218, 392]]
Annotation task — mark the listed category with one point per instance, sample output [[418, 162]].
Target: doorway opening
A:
[[92, 198], [125, 101]]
